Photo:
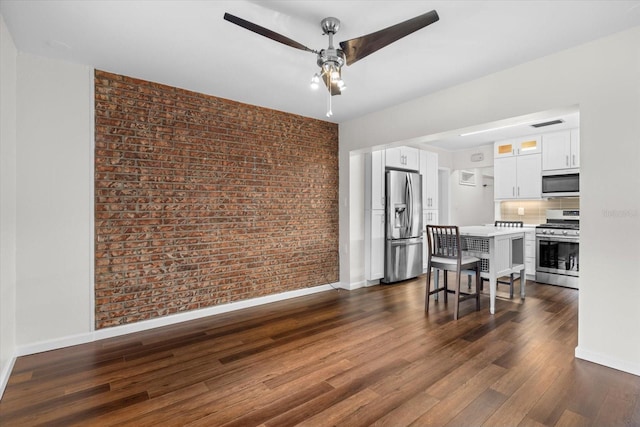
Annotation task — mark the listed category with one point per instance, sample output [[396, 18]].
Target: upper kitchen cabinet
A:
[[374, 180], [429, 172], [561, 150], [518, 177], [407, 158], [518, 146]]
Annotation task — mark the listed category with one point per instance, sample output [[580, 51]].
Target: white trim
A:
[[352, 286], [601, 359], [92, 217], [5, 374], [166, 320]]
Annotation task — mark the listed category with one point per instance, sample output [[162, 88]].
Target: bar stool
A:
[[445, 253]]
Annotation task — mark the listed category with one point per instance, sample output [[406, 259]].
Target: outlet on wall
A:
[[520, 211]]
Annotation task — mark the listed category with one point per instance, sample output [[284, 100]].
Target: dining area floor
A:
[[370, 356]]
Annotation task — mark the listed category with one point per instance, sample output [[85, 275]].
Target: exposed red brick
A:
[[201, 201]]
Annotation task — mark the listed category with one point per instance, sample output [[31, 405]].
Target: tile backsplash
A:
[[535, 211]]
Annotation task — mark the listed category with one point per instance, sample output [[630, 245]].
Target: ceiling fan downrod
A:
[[330, 61]]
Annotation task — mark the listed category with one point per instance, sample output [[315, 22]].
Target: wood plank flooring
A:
[[349, 358]]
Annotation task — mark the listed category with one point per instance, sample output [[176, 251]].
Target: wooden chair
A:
[[445, 253], [511, 276]]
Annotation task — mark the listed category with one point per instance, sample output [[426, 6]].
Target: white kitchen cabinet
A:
[[429, 172], [530, 252], [374, 183], [518, 146], [518, 177], [374, 245], [561, 150], [575, 148], [428, 217], [407, 158]]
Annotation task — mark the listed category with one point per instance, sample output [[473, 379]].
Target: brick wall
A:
[[202, 201]]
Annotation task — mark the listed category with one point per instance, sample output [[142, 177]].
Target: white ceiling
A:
[[188, 44]]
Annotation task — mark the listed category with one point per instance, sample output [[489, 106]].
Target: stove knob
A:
[[577, 233], [544, 231], [552, 232], [565, 232]]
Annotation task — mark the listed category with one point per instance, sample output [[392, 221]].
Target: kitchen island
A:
[[501, 250]]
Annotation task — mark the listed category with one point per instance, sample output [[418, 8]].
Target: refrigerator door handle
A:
[[409, 205]]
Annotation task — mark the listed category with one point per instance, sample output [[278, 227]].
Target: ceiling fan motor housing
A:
[[331, 56], [330, 25]]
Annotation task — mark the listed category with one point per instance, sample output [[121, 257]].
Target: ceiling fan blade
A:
[[360, 47], [266, 32]]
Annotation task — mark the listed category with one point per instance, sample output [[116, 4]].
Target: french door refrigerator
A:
[[403, 231]]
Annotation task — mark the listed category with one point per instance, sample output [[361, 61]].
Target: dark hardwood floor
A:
[[349, 358]]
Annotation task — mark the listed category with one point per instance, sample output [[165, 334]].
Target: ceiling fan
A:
[[331, 60]]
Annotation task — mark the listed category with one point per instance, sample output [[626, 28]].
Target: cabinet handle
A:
[[513, 191], [382, 200], [573, 158], [518, 191], [567, 160]]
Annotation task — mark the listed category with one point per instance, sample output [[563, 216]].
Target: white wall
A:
[[8, 96], [54, 200], [471, 205], [603, 79]]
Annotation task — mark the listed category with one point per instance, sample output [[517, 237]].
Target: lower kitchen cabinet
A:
[[530, 252], [429, 217], [374, 244]]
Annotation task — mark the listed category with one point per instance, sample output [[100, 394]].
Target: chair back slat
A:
[[444, 241], [508, 224]]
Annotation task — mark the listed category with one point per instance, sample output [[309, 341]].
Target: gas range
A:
[[562, 223], [557, 248]]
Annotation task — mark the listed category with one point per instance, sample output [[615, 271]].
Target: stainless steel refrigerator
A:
[[403, 233]]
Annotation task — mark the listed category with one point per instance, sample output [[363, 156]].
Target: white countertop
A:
[[488, 230]]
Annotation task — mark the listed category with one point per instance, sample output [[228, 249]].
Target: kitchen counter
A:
[[502, 251], [488, 230]]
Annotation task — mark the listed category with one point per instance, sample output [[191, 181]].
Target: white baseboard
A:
[[356, 285], [167, 320], [5, 373], [610, 362]]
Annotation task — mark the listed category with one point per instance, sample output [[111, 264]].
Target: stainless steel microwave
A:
[[560, 184]]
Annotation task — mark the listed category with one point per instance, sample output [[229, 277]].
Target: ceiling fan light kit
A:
[[331, 60]]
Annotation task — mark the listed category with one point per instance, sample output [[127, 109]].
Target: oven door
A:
[[557, 255]]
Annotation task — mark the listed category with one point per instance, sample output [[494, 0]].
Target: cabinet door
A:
[[556, 150], [377, 180], [403, 158], [528, 145], [504, 178], [394, 157], [529, 177], [429, 172], [431, 200], [530, 252], [575, 148], [411, 158], [428, 217], [374, 246], [504, 148]]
